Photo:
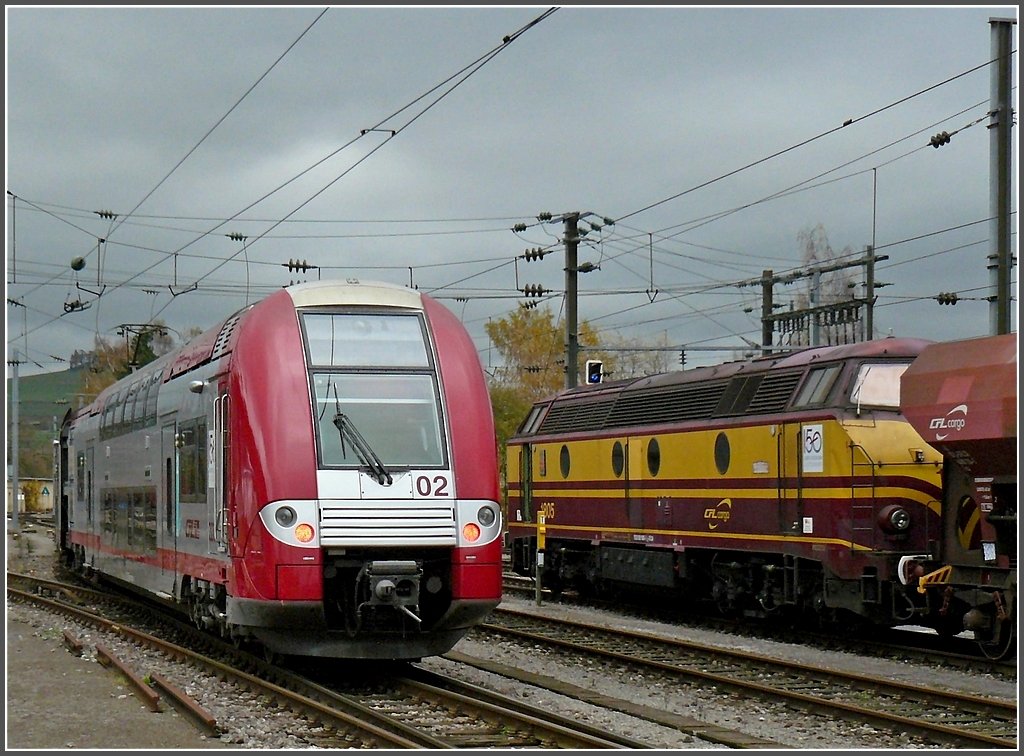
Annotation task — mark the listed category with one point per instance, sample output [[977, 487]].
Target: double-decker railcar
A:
[[962, 398], [785, 484], [317, 474]]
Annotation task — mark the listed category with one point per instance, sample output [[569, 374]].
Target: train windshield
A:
[[375, 372], [878, 385]]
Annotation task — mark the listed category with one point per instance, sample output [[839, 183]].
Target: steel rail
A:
[[608, 643]]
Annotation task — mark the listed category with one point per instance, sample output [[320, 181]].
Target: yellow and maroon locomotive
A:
[[789, 483]]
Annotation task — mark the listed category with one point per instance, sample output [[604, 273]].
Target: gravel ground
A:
[[58, 701], [777, 722]]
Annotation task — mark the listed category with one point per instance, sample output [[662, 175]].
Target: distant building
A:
[[44, 501], [80, 359]]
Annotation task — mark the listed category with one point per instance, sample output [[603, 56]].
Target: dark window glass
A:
[[618, 459], [722, 453], [654, 456], [563, 461]]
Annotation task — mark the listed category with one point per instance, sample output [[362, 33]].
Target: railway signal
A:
[[595, 371]]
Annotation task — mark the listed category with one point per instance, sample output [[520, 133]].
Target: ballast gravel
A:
[[248, 721]]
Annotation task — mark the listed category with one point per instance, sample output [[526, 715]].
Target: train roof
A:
[[760, 386], [219, 339], [887, 347], [352, 291], [961, 396]]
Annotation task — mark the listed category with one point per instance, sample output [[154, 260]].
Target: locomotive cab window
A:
[[817, 386], [878, 385], [529, 425], [375, 391]]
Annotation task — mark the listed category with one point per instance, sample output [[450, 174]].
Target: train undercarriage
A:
[[791, 590], [405, 604]]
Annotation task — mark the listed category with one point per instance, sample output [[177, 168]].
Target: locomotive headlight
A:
[[285, 516], [471, 532], [304, 533], [894, 519], [486, 516]]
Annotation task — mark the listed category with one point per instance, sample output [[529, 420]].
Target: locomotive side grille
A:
[[681, 403], [774, 392], [387, 523], [576, 417], [224, 337]]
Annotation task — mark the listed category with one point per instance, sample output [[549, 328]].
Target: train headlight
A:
[[486, 516], [478, 522], [293, 522], [894, 519]]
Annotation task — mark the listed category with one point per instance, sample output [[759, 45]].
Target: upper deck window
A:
[[878, 385], [365, 340], [372, 377]]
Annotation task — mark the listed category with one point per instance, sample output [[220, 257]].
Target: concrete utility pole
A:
[[15, 483], [572, 240], [869, 294], [1000, 176], [767, 307]]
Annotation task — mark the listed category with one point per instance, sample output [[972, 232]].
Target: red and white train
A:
[[317, 474]]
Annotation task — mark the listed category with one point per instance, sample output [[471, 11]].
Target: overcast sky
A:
[[678, 123]]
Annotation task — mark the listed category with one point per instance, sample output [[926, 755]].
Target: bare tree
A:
[[827, 288]]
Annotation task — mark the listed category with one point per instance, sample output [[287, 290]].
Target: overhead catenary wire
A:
[[187, 155], [465, 73], [805, 142], [446, 287]]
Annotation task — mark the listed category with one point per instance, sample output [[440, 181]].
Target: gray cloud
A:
[[607, 110]]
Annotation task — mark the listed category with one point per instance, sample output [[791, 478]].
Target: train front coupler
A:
[[391, 583]]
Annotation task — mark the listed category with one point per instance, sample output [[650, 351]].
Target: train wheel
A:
[[950, 625], [1002, 644], [271, 657]]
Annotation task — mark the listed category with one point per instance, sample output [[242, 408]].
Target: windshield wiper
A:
[[860, 385], [363, 449]]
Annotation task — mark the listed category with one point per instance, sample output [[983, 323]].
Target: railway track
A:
[[399, 708], [942, 717], [891, 643]]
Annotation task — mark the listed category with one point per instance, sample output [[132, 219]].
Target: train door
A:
[[168, 538], [789, 447], [526, 481], [63, 522], [217, 474], [634, 476], [87, 489]]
